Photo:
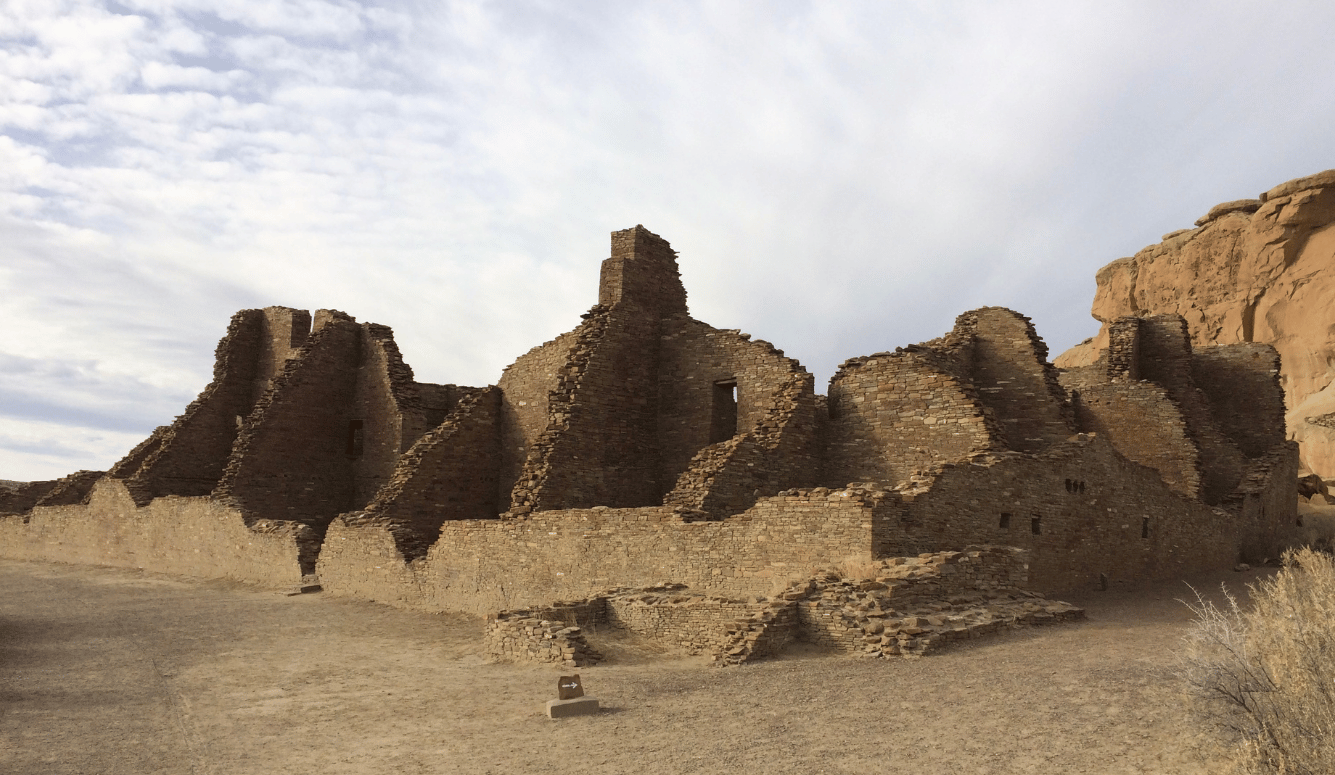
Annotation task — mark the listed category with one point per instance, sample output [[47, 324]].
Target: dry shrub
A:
[[1265, 676]]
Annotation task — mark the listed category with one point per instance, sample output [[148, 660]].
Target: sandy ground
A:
[[112, 671]]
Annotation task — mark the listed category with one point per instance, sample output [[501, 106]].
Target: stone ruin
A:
[[645, 445]]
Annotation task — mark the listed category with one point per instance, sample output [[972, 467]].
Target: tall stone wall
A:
[[1145, 424], [1166, 360], [187, 536], [1013, 378], [601, 448], [294, 458], [702, 369], [449, 474], [188, 457], [526, 389], [1241, 383], [781, 451], [894, 413]]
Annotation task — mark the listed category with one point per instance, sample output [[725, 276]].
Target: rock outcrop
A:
[[1253, 270]]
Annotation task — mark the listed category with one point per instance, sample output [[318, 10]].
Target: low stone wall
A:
[[915, 605], [186, 536], [526, 636], [729, 631], [898, 607], [479, 566]]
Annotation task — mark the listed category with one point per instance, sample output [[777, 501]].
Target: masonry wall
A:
[[188, 457], [22, 498], [449, 474], [894, 413], [1010, 371], [600, 448], [525, 413], [1097, 513], [292, 460], [1241, 383], [780, 452], [1166, 360], [1146, 425], [186, 536], [1266, 504], [491, 565], [284, 331], [694, 359]]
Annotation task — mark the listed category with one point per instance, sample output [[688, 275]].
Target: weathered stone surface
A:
[[1263, 274], [580, 706]]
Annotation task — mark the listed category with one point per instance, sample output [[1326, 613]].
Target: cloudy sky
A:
[[838, 178]]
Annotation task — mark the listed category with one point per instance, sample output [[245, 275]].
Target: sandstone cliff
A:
[[1253, 270]]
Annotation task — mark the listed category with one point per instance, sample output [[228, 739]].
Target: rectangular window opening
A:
[[1145, 527], [1036, 525], [1005, 521], [723, 411], [355, 436]]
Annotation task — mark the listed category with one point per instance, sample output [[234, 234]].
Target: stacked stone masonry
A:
[[902, 607], [645, 445]]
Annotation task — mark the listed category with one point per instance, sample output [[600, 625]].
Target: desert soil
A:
[[113, 671]]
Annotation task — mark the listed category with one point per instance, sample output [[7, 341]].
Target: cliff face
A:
[[1253, 270]]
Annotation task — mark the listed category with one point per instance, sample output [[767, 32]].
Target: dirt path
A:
[[111, 671]]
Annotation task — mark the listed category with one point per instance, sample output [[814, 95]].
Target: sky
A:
[[838, 178]]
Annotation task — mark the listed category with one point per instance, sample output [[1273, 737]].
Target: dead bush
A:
[[1264, 676]]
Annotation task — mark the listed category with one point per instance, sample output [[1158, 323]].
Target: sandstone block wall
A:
[[293, 459], [491, 565], [1241, 383], [526, 388], [187, 536], [1081, 509], [1146, 425], [449, 474], [893, 413], [188, 457], [1010, 371]]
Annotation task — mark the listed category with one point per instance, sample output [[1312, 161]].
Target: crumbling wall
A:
[[1080, 508], [1166, 360], [1241, 383], [894, 413], [187, 536], [293, 459], [527, 386], [449, 474], [1266, 504], [17, 500], [188, 456], [706, 377], [387, 403], [1146, 425], [600, 448], [491, 565], [1012, 376], [780, 451], [600, 444]]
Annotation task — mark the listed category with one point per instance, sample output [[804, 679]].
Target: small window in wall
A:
[[1005, 521], [1145, 527], [1036, 525], [723, 411], [355, 438]]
